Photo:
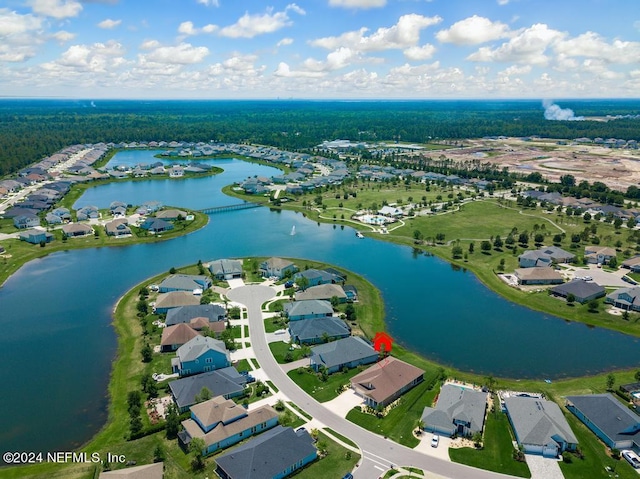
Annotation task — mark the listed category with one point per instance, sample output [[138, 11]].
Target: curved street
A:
[[377, 453]]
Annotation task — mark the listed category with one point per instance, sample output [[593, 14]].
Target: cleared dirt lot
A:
[[617, 168]]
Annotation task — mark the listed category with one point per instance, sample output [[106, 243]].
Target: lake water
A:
[[56, 311]]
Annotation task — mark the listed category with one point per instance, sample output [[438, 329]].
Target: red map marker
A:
[[382, 340]]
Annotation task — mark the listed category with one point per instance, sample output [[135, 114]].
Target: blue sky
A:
[[418, 49]]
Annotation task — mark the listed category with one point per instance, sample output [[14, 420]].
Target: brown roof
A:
[[73, 228], [199, 323], [178, 334], [147, 471], [220, 409], [321, 291], [278, 263], [384, 379], [544, 272], [175, 299]]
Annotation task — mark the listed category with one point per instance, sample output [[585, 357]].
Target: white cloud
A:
[[420, 53], [285, 71], [95, 58], [336, 60], [56, 8], [404, 34], [284, 42], [207, 3], [358, 3], [181, 54], [515, 70], [63, 36], [12, 23], [249, 26], [187, 28], [473, 30], [592, 45], [528, 46], [109, 24], [503, 2]]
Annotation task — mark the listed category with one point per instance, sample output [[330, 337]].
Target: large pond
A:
[[58, 343]]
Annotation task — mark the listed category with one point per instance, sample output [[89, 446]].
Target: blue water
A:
[[58, 344]]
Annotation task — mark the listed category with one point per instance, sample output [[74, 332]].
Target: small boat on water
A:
[[293, 230], [359, 235]]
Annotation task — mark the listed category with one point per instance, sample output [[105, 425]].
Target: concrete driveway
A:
[[543, 468], [344, 403], [602, 277], [441, 452]]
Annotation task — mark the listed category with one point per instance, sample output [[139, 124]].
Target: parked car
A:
[[632, 458], [348, 475], [435, 440], [288, 284]]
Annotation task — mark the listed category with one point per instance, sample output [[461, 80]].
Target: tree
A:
[[196, 447], [279, 405], [440, 237], [613, 262], [611, 380], [173, 422], [471, 247], [204, 395], [617, 223], [587, 217], [538, 238], [350, 312], [501, 265], [571, 298], [637, 375], [497, 242], [147, 353], [456, 252], [557, 239], [158, 454], [302, 282], [625, 315], [477, 439], [523, 238], [485, 246], [172, 271], [135, 425], [593, 305]]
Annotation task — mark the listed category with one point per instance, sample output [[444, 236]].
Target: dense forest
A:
[[32, 129]]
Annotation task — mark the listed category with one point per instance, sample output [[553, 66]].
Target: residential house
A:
[[318, 330], [171, 215], [278, 267], [185, 282], [274, 454], [52, 219], [386, 381], [212, 313], [323, 291], [544, 257], [343, 353], [118, 227], [200, 355], [317, 276], [539, 426], [87, 213], [156, 225], [25, 221], [632, 263], [63, 213], [351, 292], [459, 410], [220, 423], [225, 382], [308, 309], [226, 268], [582, 291], [625, 298], [390, 211], [174, 299], [74, 230], [599, 254], [176, 172], [175, 336], [35, 236], [539, 275], [615, 424], [146, 471]]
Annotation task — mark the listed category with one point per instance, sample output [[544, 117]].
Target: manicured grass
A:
[[341, 437], [497, 454], [595, 457], [280, 351], [272, 386], [243, 365], [400, 422], [321, 391], [271, 325], [309, 418], [338, 461]]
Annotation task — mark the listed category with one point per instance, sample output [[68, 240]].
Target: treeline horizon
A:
[[33, 129]]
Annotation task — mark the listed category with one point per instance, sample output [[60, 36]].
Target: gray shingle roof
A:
[[185, 282], [317, 327], [609, 415], [455, 402], [267, 455], [341, 351], [185, 314], [308, 307], [197, 346], [538, 421], [579, 288], [221, 382]]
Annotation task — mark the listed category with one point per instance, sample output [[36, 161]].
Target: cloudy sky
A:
[[320, 48]]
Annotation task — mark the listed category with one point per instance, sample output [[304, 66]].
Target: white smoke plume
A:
[[554, 112]]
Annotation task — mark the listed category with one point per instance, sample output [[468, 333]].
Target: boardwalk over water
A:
[[222, 209]]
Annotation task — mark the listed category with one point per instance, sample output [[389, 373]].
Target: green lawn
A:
[[335, 464], [271, 325], [243, 365], [400, 422], [497, 454], [321, 391], [280, 351]]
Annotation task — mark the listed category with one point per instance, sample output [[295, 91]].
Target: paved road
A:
[[378, 453]]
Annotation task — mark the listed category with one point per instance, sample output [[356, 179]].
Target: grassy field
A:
[[280, 350], [338, 461], [322, 391]]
